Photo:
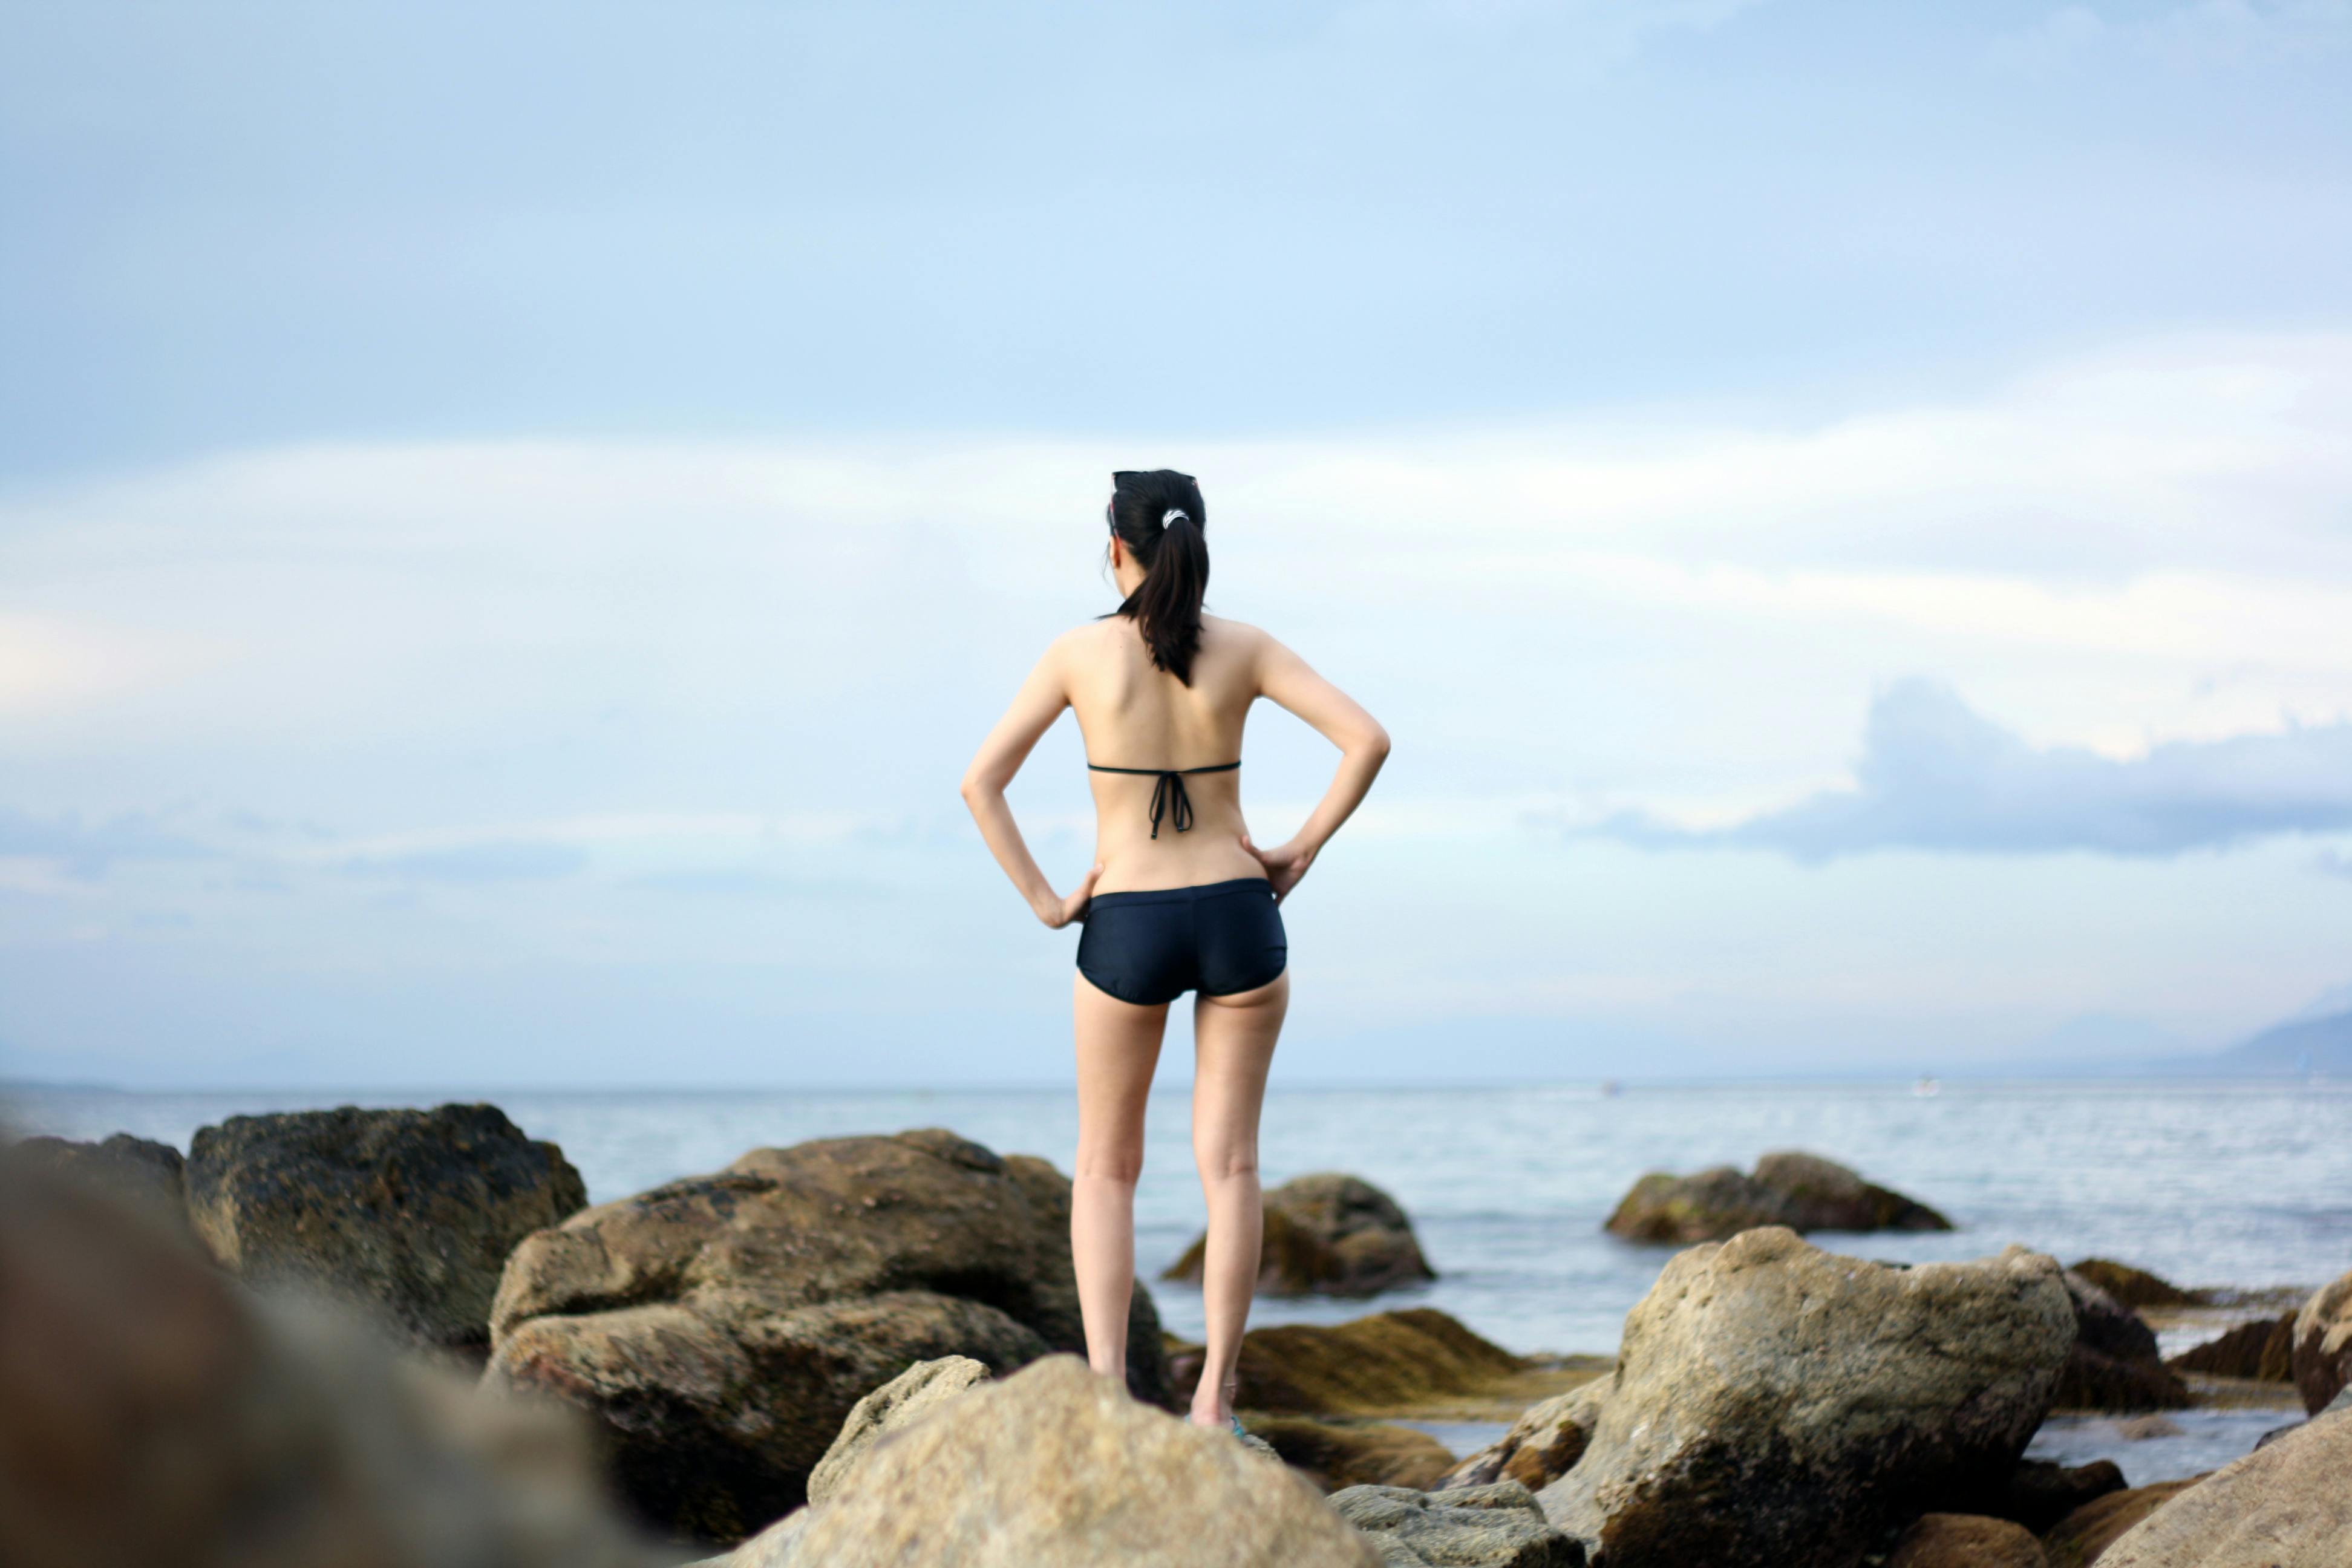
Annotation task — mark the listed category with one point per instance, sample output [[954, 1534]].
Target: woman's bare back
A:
[[1135, 715]]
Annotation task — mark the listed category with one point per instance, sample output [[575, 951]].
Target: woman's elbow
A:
[[1374, 746], [975, 789]]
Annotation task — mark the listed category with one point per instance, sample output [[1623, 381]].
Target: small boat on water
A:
[[1926, 1087]]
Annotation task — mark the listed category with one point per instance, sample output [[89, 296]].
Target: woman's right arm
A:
[[1035, 708], [1284, 679]]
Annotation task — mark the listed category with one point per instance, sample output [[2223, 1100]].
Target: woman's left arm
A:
[[1035, 708]]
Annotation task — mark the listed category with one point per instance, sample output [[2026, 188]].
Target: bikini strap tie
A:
[[1168, 796]]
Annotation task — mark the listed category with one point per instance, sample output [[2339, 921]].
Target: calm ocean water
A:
[[2221, 1185]]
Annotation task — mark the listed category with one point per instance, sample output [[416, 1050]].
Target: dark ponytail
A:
[[1158, 516]]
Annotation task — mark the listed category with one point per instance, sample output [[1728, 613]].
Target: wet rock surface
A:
[[719, 1329], [1798, 1191], [1496, 1526], [1778, 1405], [1388, 1364], [1056, 1467], [1328, 1235], [2262, 1350], [408, 1214]]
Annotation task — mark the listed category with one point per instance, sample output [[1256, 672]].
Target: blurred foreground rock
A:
[[146, 1175], [1803, 1192], [2040, 1494], [2321, 1351], [2136, 1287], [1778, 1406], [2262, 1351], [720, 1329], [407, 1214], [1056, 1467], [1327, 1235], [1498, 1526], [2286, 1505], [153, 1412]]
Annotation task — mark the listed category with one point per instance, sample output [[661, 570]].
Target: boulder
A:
[[2136, 1287], [1498, 1526], [1547, 1439], [2040, 1493], [2282, 1506], [719, 1329], [151, 1411], [1334, 1455], [1801, 1192], [1327, 1235], [897, 1405], [407, 1214], [1389, 1363], [2262, 1351], [2323, 1345], [136, 1171], [2113, 1365], [1966, 1541], [1777, 1405], [1056, 1467], [2083, 1537]]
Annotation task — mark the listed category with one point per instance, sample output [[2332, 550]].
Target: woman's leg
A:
[[1119, 1045], [1234, 1041]]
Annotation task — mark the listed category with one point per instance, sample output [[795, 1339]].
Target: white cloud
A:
[[1935, 774]]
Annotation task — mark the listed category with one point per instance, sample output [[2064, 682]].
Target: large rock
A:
[[147, 1175], [1327, 1235], [1801, 1192], [1777, 1405], [2262, 1350], [1389, 1363], [153, 1412], [408, 1214], [1056, 1467], [2286, 1505], [2115, 1364], [897, 1405], [1541, 1446], [2323, 1345], [1966, 1541], [720, 1329], [1334, 1455], [1498, 1526]]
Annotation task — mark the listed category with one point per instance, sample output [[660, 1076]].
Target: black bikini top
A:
[[1167, 795]]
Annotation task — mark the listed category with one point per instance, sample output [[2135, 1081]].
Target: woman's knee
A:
[[1121, 1164], [1219, 1165]]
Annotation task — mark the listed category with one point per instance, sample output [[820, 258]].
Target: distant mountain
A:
[[2305, 1044]]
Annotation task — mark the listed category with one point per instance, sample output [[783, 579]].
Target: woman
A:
[[1179, 899]]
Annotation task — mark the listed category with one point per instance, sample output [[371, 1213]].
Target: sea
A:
[[2243, 1185]]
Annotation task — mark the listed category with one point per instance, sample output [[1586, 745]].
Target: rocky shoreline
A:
[[857, 1350]]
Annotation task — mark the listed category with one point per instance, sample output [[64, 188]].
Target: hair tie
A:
[[1172, 513]]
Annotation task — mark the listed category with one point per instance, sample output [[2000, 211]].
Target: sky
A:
[[514, 518]]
